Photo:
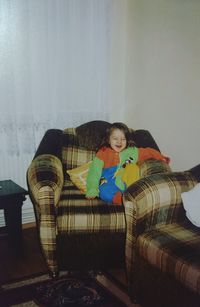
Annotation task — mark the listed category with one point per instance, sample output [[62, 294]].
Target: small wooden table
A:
[[11, 201]]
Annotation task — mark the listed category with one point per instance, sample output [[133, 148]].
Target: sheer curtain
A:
[[54, 73]]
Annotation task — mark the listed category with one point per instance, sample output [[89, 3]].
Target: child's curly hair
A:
[[123, 128]]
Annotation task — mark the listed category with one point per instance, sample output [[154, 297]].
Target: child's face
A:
[[117, 140]]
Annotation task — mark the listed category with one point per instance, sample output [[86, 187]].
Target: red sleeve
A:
[[108, 156], [150, 153]]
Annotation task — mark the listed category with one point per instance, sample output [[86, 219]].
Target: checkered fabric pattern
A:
[[76, 214], [153, 166], [45, 170], [74, 154], [60, 207], [157, 228], [45, 195], [174, 249]]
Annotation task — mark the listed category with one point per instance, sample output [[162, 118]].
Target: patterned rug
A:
[[71, 290]]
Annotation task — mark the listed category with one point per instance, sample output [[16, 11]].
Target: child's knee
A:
[[106, 196], [117, 199], [107, 191], [111, 194]]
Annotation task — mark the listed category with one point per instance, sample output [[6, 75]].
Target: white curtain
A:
[[55, 59]]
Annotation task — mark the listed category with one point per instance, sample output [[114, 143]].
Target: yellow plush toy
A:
[[131, 174]]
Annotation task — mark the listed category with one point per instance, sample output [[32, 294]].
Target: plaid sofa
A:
[[162, 246], [76, 233]]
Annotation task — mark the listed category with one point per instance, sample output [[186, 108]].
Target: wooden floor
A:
[[29, 262], [15, 265]]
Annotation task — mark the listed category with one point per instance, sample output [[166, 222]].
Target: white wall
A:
[[117, 64], [163, 75]]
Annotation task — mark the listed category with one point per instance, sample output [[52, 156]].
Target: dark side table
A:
[[11, 201]]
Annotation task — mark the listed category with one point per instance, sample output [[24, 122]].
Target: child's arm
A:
[[150, 153], [93, 178]]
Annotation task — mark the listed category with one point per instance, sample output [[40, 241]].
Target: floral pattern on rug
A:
[[68, 292], [71, 289]]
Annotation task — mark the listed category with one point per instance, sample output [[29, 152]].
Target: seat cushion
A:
[[76, 214], [174, 249]]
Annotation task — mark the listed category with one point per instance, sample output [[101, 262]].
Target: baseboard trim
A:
[[24, 226], [29, 225]]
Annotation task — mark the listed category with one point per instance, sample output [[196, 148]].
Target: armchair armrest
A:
[[45, 182], [152, 166], [45, 170]]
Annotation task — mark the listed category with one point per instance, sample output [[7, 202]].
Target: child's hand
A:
[[166, 159], [90, 198]]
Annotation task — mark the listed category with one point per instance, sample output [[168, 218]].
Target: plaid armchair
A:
[[76, 233], [162, 245]]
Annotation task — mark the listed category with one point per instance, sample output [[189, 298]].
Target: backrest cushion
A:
[[91, 134], [74, 155], [80, 144]]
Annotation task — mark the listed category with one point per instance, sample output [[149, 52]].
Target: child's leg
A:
[[109, 192], [117, 199]]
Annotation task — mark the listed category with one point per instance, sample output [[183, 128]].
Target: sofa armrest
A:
[[195, 171], [45, 170], [155, 199]]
